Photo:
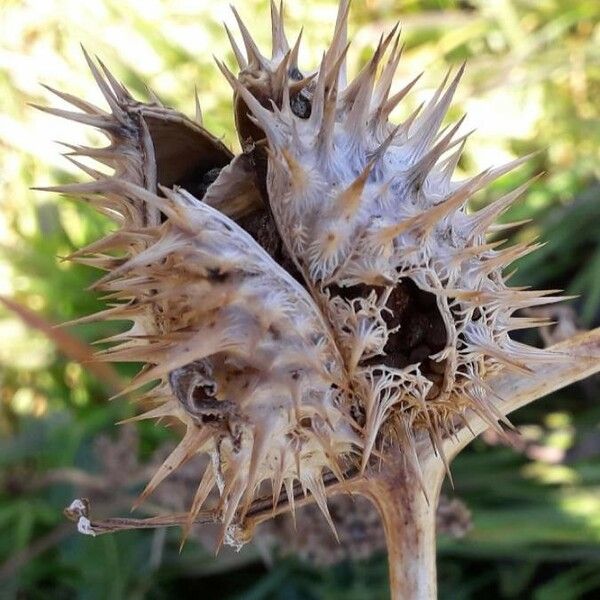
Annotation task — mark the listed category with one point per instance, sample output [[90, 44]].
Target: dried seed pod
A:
[[366, 311], [251, 369], [372, 220], [152, 144]]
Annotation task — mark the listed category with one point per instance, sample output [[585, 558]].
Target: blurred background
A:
[[522, 522]]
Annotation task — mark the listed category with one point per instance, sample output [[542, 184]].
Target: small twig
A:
[[78, 511], [261, 510]]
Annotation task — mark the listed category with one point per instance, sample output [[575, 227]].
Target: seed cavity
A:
[[197, 183], [420, 329], [196, 390]]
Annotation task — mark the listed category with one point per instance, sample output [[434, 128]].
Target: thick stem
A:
[[408, 518]]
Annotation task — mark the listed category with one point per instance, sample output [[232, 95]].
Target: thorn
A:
[[317, 489], [296, 50], [76, 189], [298, 86], [299, 179], [106, 90], [239, 57], [387, 76], [120, 91], [260, 448], [360, 91], [408, 123], [318, 99], [202, 492], [499, 227], [107, 155], [340, 40], [95, 120], [380, 152], [255, 58], [233, 503], [279, 43], [75, 101], [280, 77], [191, 443], [348, 202], [289, 492], [154, 98], [97, 175], [484, 218], [333, 74], [450, 164], [387, 234], [164, 410], [432, 118], [497, 172], [506, 257], [327, 127], [387, 106], [431, 217], [198, 109], [420, 170]]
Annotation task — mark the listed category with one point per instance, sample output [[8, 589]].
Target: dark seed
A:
[[300, 106], [211, 176], [436, 331], [414, 329], [295, 74]]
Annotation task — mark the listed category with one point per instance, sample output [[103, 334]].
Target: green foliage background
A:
[[532, 85]]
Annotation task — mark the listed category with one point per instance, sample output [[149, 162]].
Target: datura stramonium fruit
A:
[[317, 308]]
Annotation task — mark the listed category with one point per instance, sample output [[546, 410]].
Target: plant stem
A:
[[409, 520], [580, 359]]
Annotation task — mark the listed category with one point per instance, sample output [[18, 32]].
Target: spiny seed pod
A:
[[379, 232], [317, 304]]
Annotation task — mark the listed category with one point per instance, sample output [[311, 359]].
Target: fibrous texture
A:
[[319, 298]]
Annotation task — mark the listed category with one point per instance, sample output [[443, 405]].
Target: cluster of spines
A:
[[196, 286], [216, 294], [361, 201], [390, 207]]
